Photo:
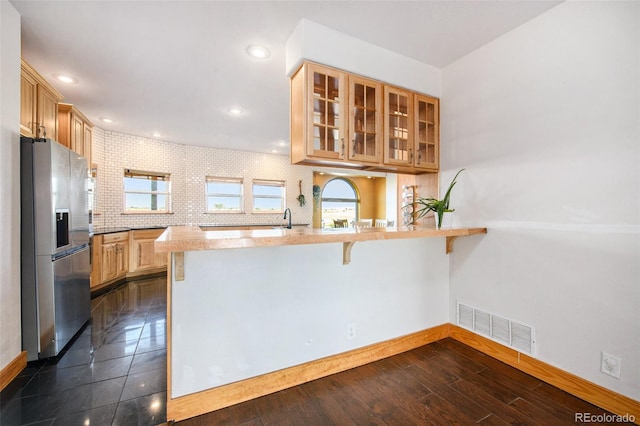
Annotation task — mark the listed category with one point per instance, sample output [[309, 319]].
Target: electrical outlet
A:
[[351, 331], [610, 365]]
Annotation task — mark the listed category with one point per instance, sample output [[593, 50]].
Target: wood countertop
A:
[[192, 238]]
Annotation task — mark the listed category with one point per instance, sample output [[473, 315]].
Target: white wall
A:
[[244, 312], [324, 45], [10, 336], [546, 121]]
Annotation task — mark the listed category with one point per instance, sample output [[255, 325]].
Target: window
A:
[[339, 203], [146, 192], [268, 196], [224, 195]]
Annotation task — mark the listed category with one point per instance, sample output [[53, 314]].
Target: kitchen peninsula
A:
[[252, 312]]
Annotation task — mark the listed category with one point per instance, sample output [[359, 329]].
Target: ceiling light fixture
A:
[[235, 110], [156, 134], [258, 52], [106, 120], [65, 78]]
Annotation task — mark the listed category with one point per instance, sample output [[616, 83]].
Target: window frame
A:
[[355, 200], [239, 181], [269, 182], [148, 175]]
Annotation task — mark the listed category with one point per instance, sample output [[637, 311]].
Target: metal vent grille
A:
[[465, 316], [509, 333]]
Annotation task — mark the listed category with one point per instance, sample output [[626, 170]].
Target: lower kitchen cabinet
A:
[[143, 255], [110, 258], [125, 254]]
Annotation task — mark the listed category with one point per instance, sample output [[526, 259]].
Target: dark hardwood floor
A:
[[444, 383]]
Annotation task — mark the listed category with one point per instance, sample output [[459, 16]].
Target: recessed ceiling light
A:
[[258, 52], [275, 151], [65, 78], [235, 110], [156, 134], [106, 120]]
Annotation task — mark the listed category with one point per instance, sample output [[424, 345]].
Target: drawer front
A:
[[113, 238], [145, 234]]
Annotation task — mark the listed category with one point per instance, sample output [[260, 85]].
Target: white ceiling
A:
[[176, 66]]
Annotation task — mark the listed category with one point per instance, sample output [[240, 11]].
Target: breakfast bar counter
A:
[[251, 312], [190, 238]]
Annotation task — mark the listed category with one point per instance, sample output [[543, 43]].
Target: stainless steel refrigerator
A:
[[55, 236]]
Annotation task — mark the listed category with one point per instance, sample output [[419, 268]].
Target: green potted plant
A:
[[430, 204]]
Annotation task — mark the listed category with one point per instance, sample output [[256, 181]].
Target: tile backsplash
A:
[[188, 166]]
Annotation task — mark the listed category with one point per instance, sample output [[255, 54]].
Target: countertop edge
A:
[[192, 238]]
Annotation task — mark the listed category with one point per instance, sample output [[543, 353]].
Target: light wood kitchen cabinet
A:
[[28, 104], [336, 117], [120, 255], [365, 120], [110, 260], [411, 131], [75, 130], [339, 119], [38, 105], [398, 132], [318, 114], [143, 255], [427, 132]]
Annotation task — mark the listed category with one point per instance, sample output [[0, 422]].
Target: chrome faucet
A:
[[285, 216]]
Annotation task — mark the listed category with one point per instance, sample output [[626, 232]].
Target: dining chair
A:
[[362, 223], [340, 223]]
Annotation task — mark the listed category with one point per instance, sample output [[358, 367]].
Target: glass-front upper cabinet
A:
[[326, 112], [365, 120], [426, 132], [398, 131], [340, 119]]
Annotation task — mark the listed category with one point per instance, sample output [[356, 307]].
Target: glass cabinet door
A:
[[326, 112], [426, 132], [398, 140], [365, 119]]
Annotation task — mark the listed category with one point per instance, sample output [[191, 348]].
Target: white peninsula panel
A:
[[240, 313]]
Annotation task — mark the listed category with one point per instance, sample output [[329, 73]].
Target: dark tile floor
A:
[[114, 373]]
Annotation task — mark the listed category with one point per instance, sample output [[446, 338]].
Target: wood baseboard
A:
[[11, 371], [577, 386], [224, 396]]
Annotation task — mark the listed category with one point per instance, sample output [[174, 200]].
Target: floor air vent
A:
[[509, 333]]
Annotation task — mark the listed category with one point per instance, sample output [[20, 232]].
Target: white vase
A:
[[447, 220]]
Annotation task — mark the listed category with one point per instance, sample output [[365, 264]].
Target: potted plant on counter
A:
[[430, 204]]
